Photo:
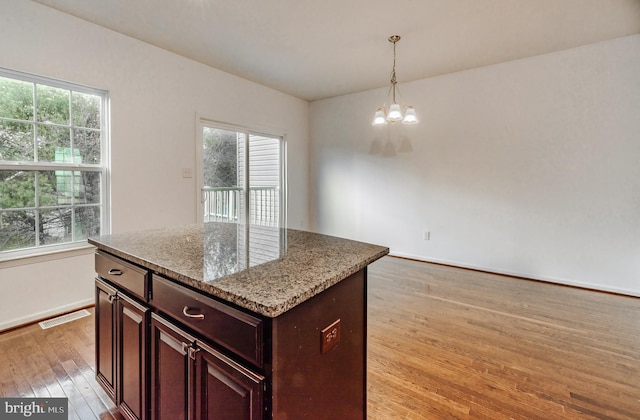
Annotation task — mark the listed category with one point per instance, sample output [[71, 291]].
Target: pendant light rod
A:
[[394, 39]]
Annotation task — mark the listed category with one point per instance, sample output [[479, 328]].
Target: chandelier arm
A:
[[398, 90], [389, 93]]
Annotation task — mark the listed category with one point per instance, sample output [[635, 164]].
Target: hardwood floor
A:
[[448, 343], [56, 362], [443, 343]]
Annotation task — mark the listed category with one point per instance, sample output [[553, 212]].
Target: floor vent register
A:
[[63, 319]]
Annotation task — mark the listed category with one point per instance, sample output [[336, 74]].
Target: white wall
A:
[[155, 96], [530, 167]]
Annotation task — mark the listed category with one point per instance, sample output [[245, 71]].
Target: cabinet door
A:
[[105, 337], [171, 379], [224, 389], [132, 394]]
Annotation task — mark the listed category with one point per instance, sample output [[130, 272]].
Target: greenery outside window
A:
[[53, 164]]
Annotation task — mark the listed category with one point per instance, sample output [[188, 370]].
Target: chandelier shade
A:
[[410, 116], [379, 118], [396, 112]]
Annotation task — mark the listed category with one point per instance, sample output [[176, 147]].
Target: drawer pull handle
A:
[[188, 315], [115, 272]]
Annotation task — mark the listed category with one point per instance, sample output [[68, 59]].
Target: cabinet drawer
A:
[[233, 329], [126, 275]]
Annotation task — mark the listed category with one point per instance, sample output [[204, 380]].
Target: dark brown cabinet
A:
[[132, 357], [165, 351], [240, 333], [105, 337], [224, 389], [191, 380], [171, 383], [122, 349]]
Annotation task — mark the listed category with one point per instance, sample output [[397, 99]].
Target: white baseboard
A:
[[38, 316], [566, 282]]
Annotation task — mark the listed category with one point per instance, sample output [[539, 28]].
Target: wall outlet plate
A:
[[330, 336]]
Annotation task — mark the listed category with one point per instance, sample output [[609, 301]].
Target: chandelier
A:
[[396, 112]]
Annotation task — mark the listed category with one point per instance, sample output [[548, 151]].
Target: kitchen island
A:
[[232, 321]]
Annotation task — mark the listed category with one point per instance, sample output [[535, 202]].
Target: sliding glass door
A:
[[242, 176]]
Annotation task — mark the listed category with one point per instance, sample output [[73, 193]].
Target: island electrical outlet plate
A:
[[330, 336]]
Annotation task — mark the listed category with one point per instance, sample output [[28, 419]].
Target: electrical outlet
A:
[[426, 236], [330, 336], [187, 173]]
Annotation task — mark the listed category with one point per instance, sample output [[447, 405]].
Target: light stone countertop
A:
[[266, 270]]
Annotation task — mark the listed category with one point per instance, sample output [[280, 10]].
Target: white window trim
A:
[[55, 251]]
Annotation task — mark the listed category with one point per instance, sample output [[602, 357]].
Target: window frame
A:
[[34, 166]]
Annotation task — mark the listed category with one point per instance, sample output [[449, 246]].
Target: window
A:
[[242, 176], [53, 164]]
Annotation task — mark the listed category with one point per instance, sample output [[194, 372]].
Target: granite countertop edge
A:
[[270, 311]]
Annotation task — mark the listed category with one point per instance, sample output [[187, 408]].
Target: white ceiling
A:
[[315, 49]]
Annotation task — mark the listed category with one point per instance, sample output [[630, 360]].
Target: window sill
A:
[[44, 256]]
